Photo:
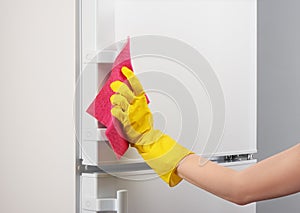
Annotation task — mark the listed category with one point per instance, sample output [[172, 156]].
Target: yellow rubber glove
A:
[[159, 151]]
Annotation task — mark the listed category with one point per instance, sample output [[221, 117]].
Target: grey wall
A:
[[37, 72], [278, 86]]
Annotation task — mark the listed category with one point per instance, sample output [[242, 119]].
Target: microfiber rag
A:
[[101, 106]]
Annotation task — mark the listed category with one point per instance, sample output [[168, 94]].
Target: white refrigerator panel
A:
[[153, 195], [185, 102], [223, 32]]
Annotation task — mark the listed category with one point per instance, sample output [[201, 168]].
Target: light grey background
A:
[[278, 86], [37, 83]]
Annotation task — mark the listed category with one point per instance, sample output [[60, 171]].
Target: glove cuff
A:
[[163, 157]]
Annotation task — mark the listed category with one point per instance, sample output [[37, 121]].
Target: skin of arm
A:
[[273, 177]]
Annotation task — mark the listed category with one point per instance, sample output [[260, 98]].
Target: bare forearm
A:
[[210, 176], [276, 176], [273, 177]]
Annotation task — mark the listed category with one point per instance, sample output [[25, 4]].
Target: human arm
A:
[[273, 177]]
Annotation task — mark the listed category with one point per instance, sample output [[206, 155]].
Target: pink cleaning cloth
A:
[[101, 106]]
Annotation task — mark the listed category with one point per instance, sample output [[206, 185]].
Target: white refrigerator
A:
[[197, 62]]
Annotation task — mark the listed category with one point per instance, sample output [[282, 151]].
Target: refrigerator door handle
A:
[[122, 201], [119, 204]]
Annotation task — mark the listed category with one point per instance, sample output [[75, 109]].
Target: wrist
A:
[[147, 140]]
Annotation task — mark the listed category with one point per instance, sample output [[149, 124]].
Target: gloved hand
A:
[[130, 108]]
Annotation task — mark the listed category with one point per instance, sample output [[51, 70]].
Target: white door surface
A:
[[148, 194], [208, 107], [185, 102]]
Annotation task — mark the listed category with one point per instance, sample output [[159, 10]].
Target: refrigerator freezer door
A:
[[149, 195]]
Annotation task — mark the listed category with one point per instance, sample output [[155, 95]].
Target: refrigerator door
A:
[[153, 195], [224, 33], [196, 60]]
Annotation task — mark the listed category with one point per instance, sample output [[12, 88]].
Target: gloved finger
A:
[[133, 80], [119, 100], [123, 89], [118, 113]]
